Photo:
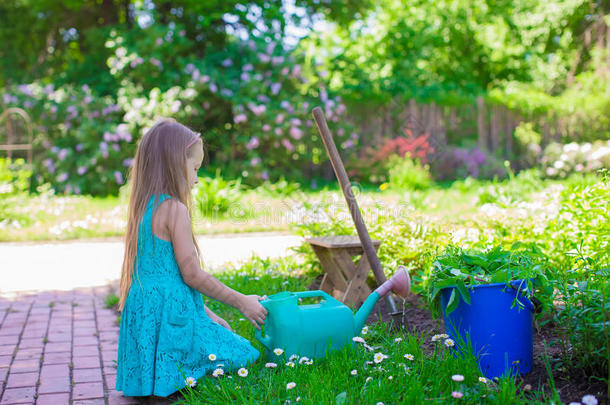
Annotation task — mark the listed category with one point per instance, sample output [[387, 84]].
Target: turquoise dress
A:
[[164, 325]]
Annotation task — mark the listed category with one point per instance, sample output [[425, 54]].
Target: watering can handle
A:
[[314, 293], [266, 341]]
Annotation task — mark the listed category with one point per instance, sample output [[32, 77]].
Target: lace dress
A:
[[164, 325]]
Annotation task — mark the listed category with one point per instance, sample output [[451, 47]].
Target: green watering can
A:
[[312, 330]]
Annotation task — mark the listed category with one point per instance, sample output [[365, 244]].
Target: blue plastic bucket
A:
[[501, 336]]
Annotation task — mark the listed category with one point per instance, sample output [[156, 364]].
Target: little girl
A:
[[164, 322]]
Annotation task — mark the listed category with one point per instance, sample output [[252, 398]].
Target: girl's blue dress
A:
[[164, 325]]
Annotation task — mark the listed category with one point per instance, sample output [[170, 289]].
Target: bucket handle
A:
[[536, 303]]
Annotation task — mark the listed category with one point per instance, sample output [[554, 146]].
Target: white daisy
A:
[[303, 360], [589, 400], [365, 330], [309, 362], [398, 340], [379, 357], [293, 357], [457, 377], [483, 380], [270, 365], [444, 336], [218, 372], [409, 357], [358, 339], [354, 372], [242, 372], [278, 351], [449, 343], [390, 377], [212, 357], [190, 381], [436, 338], [368, 379], [291, 385], [290, 364]]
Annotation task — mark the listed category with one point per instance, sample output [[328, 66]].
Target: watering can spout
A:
[[399, 283]]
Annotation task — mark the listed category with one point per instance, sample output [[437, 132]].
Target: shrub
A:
[[405, 173], [458, 163], [559, 161], [215, 196], [15, 178]]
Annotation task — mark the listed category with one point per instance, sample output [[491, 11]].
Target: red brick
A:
[[53, 399], [5, 361], [58, 337], [25, 366], [86, 341], [31, 343], [18, 396], [7, 350], [14, 331], [9, 340], [58, 347], [54, 385], [116, 398], [83, 351], [22, 380], [97, 401], [82, 375], [86, 362], [55, 371], [88, 391], [57, 358]]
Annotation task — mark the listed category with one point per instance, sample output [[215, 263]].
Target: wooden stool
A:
[[343, 279]]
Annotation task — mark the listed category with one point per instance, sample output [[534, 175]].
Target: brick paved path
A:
[[59, 348]]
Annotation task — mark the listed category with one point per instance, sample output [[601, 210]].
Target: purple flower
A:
[[116, 147], [265, 175], [196, 75], [49, 165], [279, 119], [278, 131], [255, 161], [262, 98], [88, 99], [266, 127], [285, 71], [323, 96], [227, 62], [55, 149], [157, 63], [295, 133], [248, 67], [28, 104], [276, 60], [478, 156], [108, 137], [295, 121], [78, 147], [275, 88], [62, 177], [118, 176], [296, 70], [204, 79], [287, 106], [245, 77], [25, 89], [348, 144], [62, 154], [206, 105], [159, 41], [240, 118], [271, 47], [263, 57], [286, 143], [128, 162], [76, 190], [103, 146], [213, 88], [226, 92], [253, 143], [81, 170], [257, 109], [6, 98]]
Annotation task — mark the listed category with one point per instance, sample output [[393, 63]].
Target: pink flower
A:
[[118, 177], [457, 394], [266, 127], [286, 143], [240, 118], [263, 57], [159, 41], [279, 119], [255, 161], [81, 170], [265, 175], [62, 177], [296, 133], [253, 143], [275, 88], [296, 70]]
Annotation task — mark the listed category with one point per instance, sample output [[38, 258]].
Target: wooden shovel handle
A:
[[352, 204]]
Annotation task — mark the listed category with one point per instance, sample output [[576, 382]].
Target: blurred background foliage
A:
[[476, 82]]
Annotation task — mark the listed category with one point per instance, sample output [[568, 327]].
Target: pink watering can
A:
[[314, 330]]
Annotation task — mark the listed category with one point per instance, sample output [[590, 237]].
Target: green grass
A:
[[425, 379]]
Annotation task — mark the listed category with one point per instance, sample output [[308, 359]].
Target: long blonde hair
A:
[[160, 166]]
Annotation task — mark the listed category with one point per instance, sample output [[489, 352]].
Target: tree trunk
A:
[[508, 133]]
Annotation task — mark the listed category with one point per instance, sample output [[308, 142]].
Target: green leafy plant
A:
[[215, 195], [408, 174], [461, 268]]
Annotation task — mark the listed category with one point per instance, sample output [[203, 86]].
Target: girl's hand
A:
[[253, 310]]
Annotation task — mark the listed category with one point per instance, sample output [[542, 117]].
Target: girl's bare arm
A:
[[179, 229]]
